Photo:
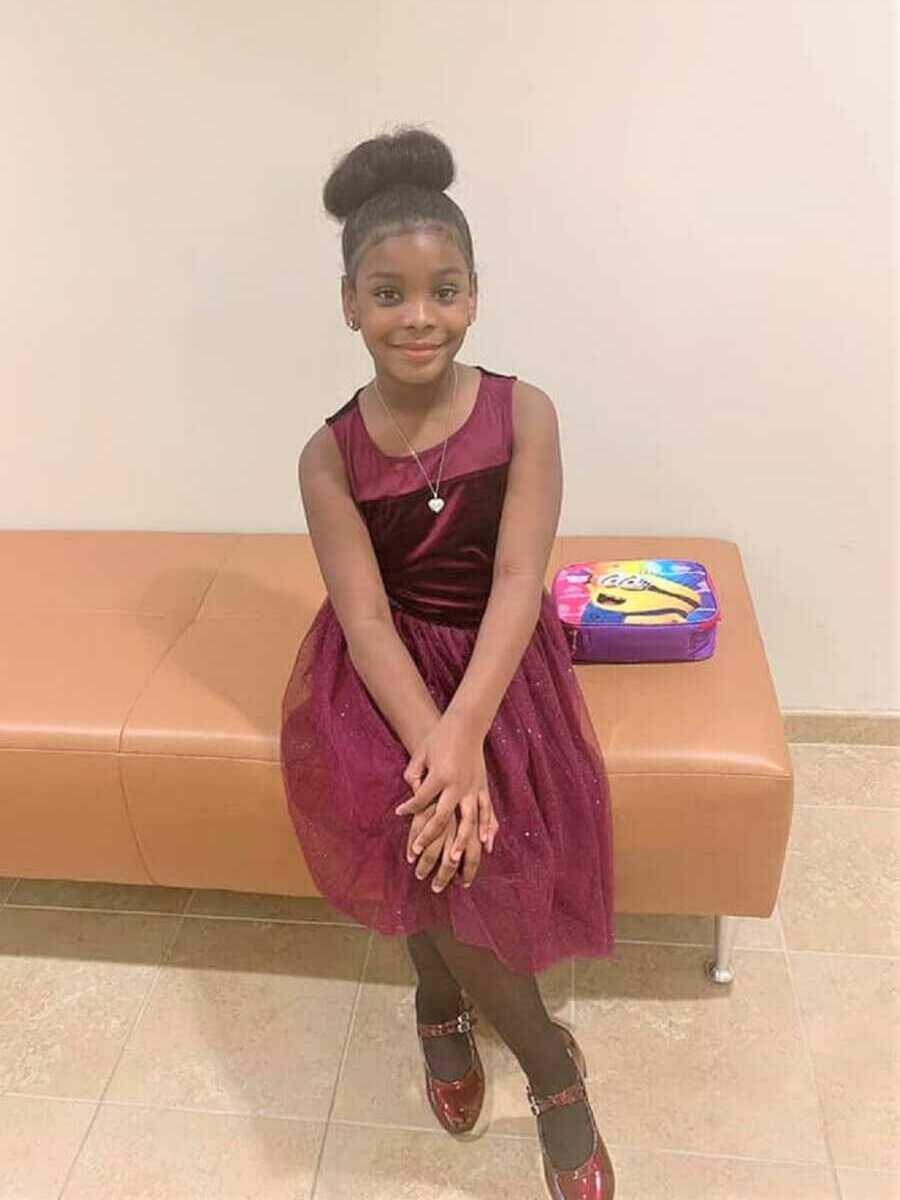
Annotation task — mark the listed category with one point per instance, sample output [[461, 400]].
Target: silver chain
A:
[[436, 503]]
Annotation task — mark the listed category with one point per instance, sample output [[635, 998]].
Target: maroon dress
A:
[[546, 892]]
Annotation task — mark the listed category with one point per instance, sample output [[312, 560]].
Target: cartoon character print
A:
[[638, 592], [639, 599]]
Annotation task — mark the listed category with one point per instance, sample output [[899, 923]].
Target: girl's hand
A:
[[454, 758], [442, 847]]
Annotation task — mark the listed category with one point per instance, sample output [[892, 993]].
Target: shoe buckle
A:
[[464, 1021], [573, 1094]]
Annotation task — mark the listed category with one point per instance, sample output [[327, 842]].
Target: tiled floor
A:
[[158, 1043]]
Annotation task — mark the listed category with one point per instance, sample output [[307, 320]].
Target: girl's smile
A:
[[420, 353]]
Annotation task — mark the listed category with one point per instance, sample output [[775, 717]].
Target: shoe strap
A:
[[570, 1095], [462, 1023]]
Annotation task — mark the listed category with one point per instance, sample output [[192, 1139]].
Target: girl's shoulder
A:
[[530, 401], [522, 391]]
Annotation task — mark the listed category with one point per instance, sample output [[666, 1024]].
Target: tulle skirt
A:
[[546, 892]]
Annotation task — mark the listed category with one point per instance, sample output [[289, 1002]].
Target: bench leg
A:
[[720, 969]]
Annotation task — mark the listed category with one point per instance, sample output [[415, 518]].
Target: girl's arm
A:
[[506, 629], [387, 669], [524, 542], [356, 591]]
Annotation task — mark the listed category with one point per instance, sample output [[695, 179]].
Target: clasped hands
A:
[[452, 758]]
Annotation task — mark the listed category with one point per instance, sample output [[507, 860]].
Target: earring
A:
[[352, 323]]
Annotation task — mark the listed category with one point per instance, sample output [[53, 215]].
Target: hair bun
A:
[[410, 155]]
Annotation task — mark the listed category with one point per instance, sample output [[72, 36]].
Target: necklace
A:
[[436, 503]]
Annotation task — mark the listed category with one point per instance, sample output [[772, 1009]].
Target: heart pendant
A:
[[435, 504]]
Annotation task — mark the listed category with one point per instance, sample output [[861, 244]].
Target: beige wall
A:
[[684, 220]]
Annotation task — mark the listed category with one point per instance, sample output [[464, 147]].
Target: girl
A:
[[437, 664]]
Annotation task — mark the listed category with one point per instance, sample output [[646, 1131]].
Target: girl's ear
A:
[[348, 300], [473, 297]]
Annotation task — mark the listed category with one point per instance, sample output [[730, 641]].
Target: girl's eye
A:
[[445, 293]]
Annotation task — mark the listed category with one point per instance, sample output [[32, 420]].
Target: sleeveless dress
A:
[[546, 892]]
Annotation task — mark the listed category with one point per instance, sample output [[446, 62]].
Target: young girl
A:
[[437, 665]]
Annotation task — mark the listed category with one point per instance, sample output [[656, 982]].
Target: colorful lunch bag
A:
[[637, 610]]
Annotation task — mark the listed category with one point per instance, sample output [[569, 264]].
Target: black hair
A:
[[394, 182]]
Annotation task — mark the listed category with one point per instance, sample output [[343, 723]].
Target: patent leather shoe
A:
[[594, 1179], [456, 1103]]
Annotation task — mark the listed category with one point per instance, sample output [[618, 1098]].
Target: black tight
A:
[[510, 1001]]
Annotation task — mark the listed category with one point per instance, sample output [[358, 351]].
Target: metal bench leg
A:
[[720, 969]]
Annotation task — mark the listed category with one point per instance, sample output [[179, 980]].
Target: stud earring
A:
[[352, 323]]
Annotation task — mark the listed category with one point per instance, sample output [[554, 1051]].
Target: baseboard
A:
[[850, 728]]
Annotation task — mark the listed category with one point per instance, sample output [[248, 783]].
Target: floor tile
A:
[[246, 1016], [649, 1175], [6, 886], [150, 1154], [64, 893], [38, 1141], [262, 907], [755, 933], [677, 1062], [849, 1007], [868, 1185], [839, 774], [841, 881], [404, 1164], [71, 986]]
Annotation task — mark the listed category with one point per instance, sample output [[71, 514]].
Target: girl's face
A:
[[412, 287]]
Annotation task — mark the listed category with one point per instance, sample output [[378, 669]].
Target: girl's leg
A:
[[514, 1006], [437, 1000]]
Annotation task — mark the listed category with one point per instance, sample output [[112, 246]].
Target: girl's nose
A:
[[419, 314]]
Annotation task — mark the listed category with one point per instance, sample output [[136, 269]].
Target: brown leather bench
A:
[[143, 674]]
